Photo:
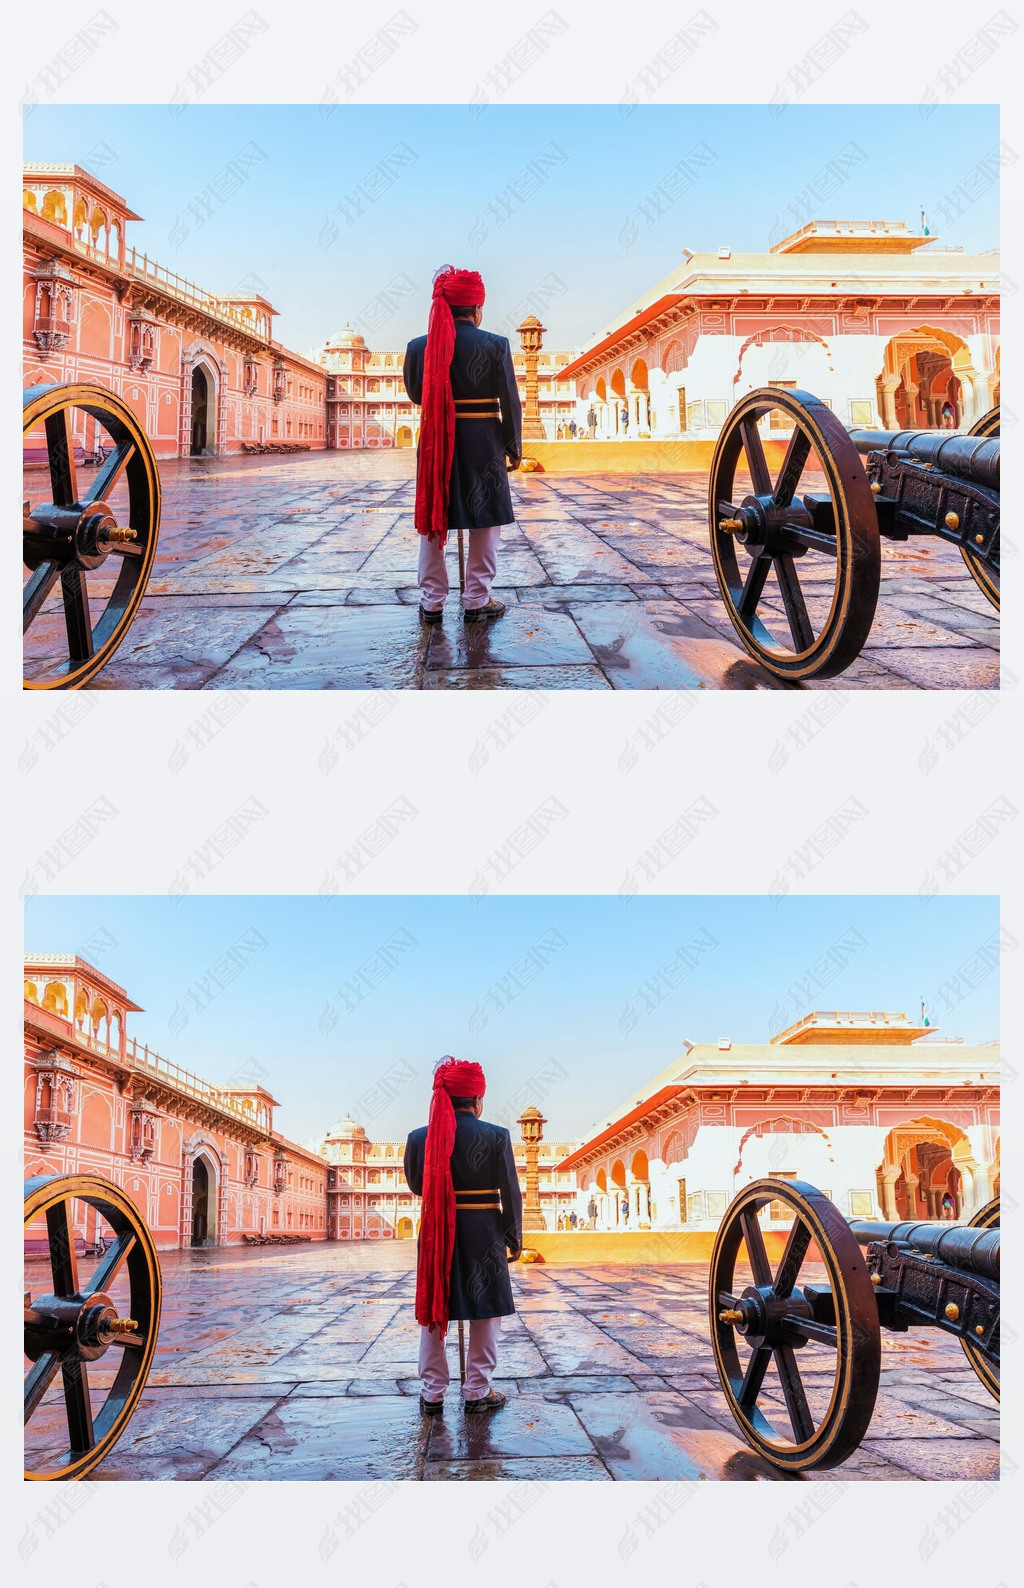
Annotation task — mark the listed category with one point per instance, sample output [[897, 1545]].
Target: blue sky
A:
[[582, 229], [586, 989]]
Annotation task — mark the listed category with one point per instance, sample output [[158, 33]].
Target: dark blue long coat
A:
[[483, 1171], [482, 368]]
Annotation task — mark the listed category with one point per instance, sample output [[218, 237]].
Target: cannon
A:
[[798, 556], [88, 541], [799, 1357], [92, 1311]]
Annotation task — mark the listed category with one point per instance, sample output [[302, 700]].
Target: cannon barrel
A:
[[959, 1245], [967, 457]]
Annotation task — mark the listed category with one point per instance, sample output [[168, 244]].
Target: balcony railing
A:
[[142, 268]]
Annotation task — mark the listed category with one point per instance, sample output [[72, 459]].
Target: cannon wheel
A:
[[75, 531], [809, 625], [73, 1326], [828, 1414], [988, 582], [986, 1218]]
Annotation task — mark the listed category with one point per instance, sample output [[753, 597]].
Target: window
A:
[[861, 413], [778, 1212], [777, 419], [681, 397]]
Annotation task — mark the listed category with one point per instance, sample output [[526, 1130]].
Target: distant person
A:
[[624, 1209], [471, 1226], [572, 1219], [572, 428], [592, 1214], [591, 422], [471, 422], [624, 418]]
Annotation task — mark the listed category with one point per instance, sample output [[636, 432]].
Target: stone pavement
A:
[[299, 1362], [299, 573]]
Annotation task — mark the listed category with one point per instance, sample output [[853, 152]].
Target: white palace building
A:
[[888, 1119], [891, 328]]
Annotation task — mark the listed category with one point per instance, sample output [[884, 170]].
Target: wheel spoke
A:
[[60, 448], [76, 614], [793, 601], [794, 1254], [753, 1378], [39, 1379], [793, 1389], [63, 1262], [756, 1254], [756, 460], [36, 591], [109, 471], [78, 1404], [111, 1261], [753, 586], [797, 454]]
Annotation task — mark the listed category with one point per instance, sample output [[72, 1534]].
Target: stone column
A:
[[889, 1210], [889, 389], [531, 1127], [531, 337]]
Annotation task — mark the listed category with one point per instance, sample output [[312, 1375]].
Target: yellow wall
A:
[[632, 457], [633, 1246]]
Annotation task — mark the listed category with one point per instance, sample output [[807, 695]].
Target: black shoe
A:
[[431, 1408], [429, 617], [492, 1402], [493, 609]]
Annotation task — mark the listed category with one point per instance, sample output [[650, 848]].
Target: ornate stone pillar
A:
[[531, 338], [531, 1128], [889, 388]]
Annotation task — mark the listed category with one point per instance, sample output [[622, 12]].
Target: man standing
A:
[[592, 1214], [471, 1224], [470, 422], [592, 421]]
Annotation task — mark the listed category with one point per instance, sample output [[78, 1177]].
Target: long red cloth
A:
[[463, 289], [437, 1216]]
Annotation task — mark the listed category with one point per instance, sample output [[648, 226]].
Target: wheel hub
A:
[[764, 527], [87, 1325], [765, 1318], [72, 536]]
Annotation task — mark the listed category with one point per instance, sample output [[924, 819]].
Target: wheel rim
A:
[[800, 582], [986, 1218], [987, 579], [71, 1423], [760, 1330], [85, 576]]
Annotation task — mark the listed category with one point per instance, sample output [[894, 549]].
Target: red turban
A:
[[437, 1216], [464, 289]]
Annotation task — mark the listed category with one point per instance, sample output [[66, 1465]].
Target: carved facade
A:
[[201, 370], [889, 1120]]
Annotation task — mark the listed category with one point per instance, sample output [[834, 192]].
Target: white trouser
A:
[[481, 1358], [481, 567]]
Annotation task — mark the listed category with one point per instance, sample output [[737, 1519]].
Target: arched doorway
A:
[[200, 1202], [640, 399], [202, 411], [404, 1231], [620, 1214], [618, 402], [640, 1190], [928, 381], [404, 436], [928, 1171]]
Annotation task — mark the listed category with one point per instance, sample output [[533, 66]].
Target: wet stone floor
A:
[[300, 1363], [300, 573]]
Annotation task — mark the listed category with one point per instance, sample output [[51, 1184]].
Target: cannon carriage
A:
[[798, 556], [90, 1326], [798, 1347]]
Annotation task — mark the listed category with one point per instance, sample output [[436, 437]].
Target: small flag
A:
[[925, 230], [924, 1018]]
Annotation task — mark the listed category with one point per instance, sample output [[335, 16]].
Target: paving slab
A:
[[258, 542]]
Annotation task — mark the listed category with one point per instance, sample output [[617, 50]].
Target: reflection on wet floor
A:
[[300, 1364], [300, 574]]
